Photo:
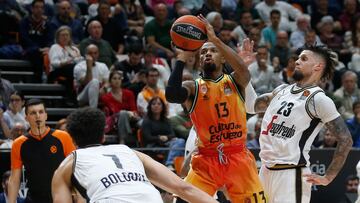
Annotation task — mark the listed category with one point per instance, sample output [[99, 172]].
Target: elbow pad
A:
[[176, 94]]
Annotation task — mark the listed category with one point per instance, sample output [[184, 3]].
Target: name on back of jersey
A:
[[117, 178]]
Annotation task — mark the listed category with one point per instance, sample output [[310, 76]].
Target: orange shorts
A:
[[239, 175]]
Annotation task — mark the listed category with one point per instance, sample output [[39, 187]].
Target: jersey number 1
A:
[[115, 159]]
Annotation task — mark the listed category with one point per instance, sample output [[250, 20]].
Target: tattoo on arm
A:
[[262, 102], [344, 144]]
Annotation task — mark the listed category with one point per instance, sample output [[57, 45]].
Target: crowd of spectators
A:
[[117, 55]]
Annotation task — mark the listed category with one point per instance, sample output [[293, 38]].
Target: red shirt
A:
[[114, 106]]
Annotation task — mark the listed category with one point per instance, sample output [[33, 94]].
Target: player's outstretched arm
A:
[[176, 92], [61, 182], [167, 180], [263, 101], [241, 72], [344, 144]]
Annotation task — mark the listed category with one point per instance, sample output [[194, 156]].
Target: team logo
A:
[[247, 200], [203, 89], [227, 89], [305, 94], [53, 149]]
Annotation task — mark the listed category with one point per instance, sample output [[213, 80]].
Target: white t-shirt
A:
[[112, 173], [100, 71], [291, 123]]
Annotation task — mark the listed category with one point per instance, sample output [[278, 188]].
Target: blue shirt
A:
[[354, 128]]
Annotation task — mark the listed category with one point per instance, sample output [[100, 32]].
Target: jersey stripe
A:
[[304, 138], [237, 88], [307, 103], [196, 96]]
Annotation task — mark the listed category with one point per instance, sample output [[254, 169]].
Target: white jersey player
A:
[[114, 173], [119, 177], [294, 116]]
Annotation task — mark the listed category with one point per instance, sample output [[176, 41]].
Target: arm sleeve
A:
[[175, 93], [16, 162], [250, 97], [324, 108]]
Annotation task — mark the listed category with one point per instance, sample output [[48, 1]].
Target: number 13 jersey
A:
[[218, 113], [110, 174], [291, 122]]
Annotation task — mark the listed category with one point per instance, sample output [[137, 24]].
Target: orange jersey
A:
[[218, 113]]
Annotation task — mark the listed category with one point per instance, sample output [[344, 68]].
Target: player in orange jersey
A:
[[217, 107]]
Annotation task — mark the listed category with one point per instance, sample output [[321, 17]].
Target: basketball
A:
[[188, 33]]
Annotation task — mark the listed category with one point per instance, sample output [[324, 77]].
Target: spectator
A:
[[287, 12], [16, 111], [5, 184], [329, 139], [311, 38], [36, 38], [354, 124], [157, 132], [135, 17], [351, 38], [246, 6], [41, 151], [157, 32], [281, 50], [243, 29], [288, 71], [225, 36], [191, 66], [351, 188], [269, 32], [193, 5], [328, 36], [255, 36], [16, 131], [153, 61], [297, 37], [149, 91], [107, 54], [181, 124], [120, 108], [261, 72], [61, 124], [348, 92], [216, 6], [351, 9], [112, 32], [131, 66], [254, 142], [6, 88], [216, 20], [63, 17], [63, 56], [90, 77], [319, 9]]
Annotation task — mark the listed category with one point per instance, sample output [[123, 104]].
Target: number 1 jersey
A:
[[112, 173]]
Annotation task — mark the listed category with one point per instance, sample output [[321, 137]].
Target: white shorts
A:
[[286, 186]]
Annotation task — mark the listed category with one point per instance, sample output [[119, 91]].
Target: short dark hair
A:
[[86, 126], [275, 11], [18, 93], [327, 55], [356, 103], [152, 70], [35, 1], [351, 177], [33, 102], [5, 176]]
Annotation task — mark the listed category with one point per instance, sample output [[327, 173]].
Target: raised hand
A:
[[246, 51], [209, 28], [317, 179]]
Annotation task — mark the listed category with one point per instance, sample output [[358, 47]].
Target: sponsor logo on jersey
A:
[[305, 94], [224, 131], [116, 178], [279, 130], [227, 89]]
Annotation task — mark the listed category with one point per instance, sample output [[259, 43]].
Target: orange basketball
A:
[[188, 33]]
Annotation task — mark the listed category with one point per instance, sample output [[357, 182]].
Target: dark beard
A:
[[209, 68], [298, 75]]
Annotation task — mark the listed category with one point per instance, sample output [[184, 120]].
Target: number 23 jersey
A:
[[112, 173], [291, 122]]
